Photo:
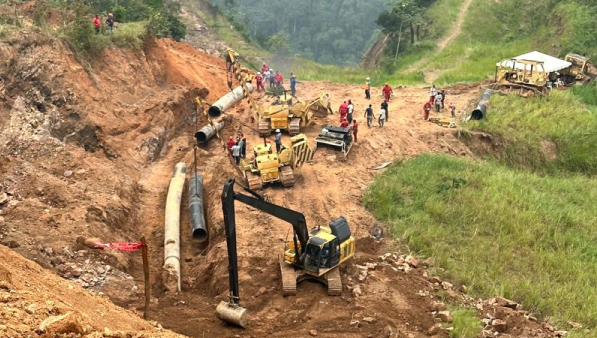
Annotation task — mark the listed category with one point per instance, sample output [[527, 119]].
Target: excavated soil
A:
[[88, 151]]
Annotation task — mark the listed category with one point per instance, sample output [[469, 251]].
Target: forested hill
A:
[[331, 31]]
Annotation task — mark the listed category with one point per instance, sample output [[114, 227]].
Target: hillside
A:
[[91, 126], [457, 47]]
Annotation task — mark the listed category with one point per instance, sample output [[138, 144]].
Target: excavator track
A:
[[264, 128], [287, 176], [288, 278], [294, 127], [254, 181], [334, 282]]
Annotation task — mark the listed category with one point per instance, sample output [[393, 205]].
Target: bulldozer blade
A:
[[232, 314]]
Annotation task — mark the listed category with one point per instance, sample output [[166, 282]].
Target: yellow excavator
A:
[[268, 166], [293, 117], [311, 254]]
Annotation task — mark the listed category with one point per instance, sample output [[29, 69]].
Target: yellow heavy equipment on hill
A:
[[268, 166], [521, 74], [293, 117], [310, 254]]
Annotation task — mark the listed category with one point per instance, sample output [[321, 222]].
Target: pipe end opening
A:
[[200, 235], [214, 111], [477, 114], [201, 137]]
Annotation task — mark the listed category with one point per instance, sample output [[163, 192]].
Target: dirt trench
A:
[[325, 189]]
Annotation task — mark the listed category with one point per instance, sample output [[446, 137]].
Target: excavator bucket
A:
[[301, 150]]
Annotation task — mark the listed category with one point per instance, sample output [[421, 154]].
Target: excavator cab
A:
[[326, 248]]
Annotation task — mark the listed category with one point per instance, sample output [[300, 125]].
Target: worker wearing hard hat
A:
[[278, 140], [368, 89]]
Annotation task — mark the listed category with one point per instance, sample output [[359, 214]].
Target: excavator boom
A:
[[296, 219]]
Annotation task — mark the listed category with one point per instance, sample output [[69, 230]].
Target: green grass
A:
[[500, 231], [130, 35], [566, 119], [465, 322], [443, 14], [312, 71]]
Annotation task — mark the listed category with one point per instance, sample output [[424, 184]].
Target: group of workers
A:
[[267, 76], [237, 147], [109, 22], [346, 110], [436, 101]]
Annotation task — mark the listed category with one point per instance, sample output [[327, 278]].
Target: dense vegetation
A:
[[499, 230], [331, 31]]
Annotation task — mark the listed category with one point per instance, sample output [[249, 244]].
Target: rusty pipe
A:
[[228, 101]]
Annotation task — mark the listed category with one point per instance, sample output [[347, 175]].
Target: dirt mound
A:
[[75, 140], [36, 303]]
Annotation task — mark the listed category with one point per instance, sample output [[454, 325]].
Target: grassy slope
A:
[[504, 231], [566, 119]]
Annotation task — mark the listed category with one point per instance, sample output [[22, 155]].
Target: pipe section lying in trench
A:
[[228, 100], [207, 132], [196, 215], [171, 276], [481, 109]]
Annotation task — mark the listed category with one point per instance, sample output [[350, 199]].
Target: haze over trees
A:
[[331, 31]]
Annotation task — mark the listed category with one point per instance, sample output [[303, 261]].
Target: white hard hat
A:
[[368, 79], [258, 73], [277, 130]]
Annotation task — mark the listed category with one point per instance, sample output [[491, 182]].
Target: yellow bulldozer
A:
[[268, 166], [581, 70], [521, 74], [293, 117]]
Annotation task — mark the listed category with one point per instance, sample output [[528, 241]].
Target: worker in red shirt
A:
[[355, 129], [97, 24], [230, 143], [279, 79], [343, 111], [264, 68], [344, 123], [387, 92], [259, 80], [426, 110]]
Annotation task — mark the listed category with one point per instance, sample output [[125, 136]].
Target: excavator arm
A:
[[296, 219]]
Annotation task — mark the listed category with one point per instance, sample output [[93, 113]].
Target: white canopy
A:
[[550, 63]]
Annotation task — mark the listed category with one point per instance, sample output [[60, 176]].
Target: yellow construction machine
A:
[[310, 254], [521, 74], [293, 117], [268, 166], [581, 70]]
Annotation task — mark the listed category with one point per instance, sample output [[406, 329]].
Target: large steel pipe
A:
[[196, 215], [481, 109], [172, 228], [207, 132], [228, 100]]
